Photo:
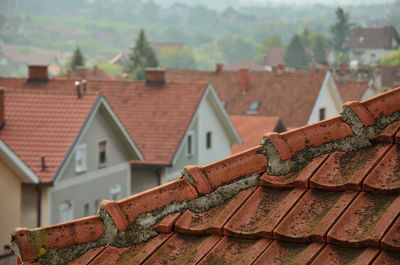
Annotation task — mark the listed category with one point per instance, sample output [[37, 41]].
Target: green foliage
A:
[[111, 69], [142, 56], [319, 51], [178, 58], [295, 55], [77, 59], [391, 59], [341, 30], [233, 47], [272, 41]]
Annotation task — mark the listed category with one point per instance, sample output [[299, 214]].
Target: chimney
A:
[[244, 79], [2, 108], [219, 67], [84, 86], [78, 89], [281, 67], [82, 71], [38, 73], [155, 76]]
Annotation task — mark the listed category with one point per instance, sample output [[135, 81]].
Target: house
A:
[[325, 193], [356, 89], [245, 63], [367, 45], [251, 128], [75, 145], [172, 123], [297, 97]]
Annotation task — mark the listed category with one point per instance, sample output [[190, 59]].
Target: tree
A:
[[341, 31], [295, 55], [319, 51], [141, 56], [234, 47], [178, 58], [391, 59], [272, 41], [77, 59]]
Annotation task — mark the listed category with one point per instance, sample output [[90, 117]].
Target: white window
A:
[[65, 212], [190, 144], [115, 192], [80, 159], [102, 153]]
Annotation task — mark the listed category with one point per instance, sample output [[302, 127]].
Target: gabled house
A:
[[356, 89], [297, 97], [367, 45], [325, 193], [74, 145], [172, 123]]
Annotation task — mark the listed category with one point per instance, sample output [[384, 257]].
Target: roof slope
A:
[[380, 38], [156, 117], [43, 124], [289, 95], [327, 193], [251, 129], [352, 90]]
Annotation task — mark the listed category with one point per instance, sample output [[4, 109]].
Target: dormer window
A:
[[102, 153], [80, 159], [253, 108]]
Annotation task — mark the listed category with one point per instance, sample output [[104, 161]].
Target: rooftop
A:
[[373, 38], [326, 193], [352, 89]]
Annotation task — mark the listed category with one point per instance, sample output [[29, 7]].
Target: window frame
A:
[[80, 149], [322, 114], [100, 163], [69, 214], [190, 149]]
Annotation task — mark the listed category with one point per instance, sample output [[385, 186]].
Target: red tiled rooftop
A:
[[352, 90], [43, 124], [142, 109], [308, 196], [373, 38], [288, 95]]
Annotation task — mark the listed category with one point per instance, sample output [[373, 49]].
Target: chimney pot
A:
[[219, 67], [38, 73], [155, 76], [2, 108], [244, 79]]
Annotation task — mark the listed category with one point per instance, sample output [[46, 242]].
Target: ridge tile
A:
[[385, 177], [346, 170], [387, 135], [311, 218], [262, 212], [289, 253], [340, 255], [365, 221]]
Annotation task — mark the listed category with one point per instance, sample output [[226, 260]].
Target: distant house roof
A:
[[289, 95], [156, 117], [352, 90], [381, 38], [275, 56], [326, 193], [251, 129], [390, 77], [245, 63], [31, 58]]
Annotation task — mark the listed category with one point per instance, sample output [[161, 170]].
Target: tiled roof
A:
[[245, 63], [390, 76], [275, 56], [85, 73], [352, 90], [373, 38], [289, 95], [252, 128], [156, 117], [43, 124], [327, 193]]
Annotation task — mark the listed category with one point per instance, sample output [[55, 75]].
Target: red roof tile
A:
[[373, 38], [43, 124], [252, 128], [142, 110], [249, 209], [288, 95]]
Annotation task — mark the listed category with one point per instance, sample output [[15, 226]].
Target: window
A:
[[322, 114], [190, 144], [102, 153], [208, 140], [80, 158], [115, 192], [253, 108], [65, 212], [86, 210]]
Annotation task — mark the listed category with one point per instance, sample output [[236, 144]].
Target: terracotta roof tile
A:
[[288, 95], [234, 211], [43, 124], [373, 38]]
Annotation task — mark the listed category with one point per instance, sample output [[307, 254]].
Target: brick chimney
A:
[[244, 79], [155, 76], [219, 67], [38, 73], [2, 108], [281, 67]]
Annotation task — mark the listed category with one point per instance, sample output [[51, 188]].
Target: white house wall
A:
[[367, 56]]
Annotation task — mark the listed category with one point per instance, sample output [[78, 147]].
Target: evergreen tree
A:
[[295, 55], [319, 51], [142, 56], [77, 59], [341, 30]]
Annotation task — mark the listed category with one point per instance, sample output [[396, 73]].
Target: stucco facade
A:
[[368, 56]]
